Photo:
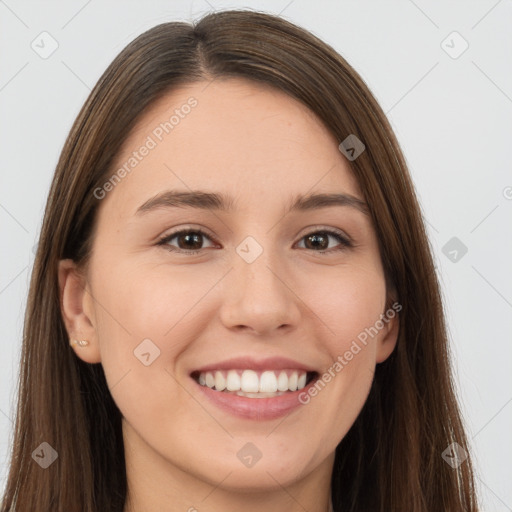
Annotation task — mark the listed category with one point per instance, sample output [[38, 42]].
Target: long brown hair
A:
[[391, 459]]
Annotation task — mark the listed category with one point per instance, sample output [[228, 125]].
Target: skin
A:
[[262, 147]]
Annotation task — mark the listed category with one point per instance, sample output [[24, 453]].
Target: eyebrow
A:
[[214, 201]]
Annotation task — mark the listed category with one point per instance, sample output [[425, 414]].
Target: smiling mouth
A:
[[255, 384]]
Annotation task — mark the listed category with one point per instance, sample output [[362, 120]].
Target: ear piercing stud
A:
[[80, 343]]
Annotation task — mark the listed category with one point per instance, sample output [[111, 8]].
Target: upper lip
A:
[[249, 363]]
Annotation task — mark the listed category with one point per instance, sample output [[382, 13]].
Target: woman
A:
[[234, 301]]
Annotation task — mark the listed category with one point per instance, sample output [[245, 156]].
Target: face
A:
[[182, 297]]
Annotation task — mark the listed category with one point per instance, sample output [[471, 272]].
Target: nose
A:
[[258, 298]]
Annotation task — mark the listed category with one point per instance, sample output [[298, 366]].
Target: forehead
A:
[[246, 139]]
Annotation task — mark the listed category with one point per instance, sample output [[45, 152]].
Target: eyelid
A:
[[307, 230], [187, 227], [319, 227]]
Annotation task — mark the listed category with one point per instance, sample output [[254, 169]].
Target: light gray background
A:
[[452, 118]]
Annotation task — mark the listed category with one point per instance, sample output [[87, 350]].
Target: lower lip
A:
[[255, 408]]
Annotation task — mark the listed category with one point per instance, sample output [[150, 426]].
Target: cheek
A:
[[349, 305], [153, 301], [147, 314], [347, 302]]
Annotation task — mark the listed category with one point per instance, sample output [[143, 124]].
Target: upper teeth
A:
[[250, 381]]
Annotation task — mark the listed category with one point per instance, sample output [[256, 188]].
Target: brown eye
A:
[[188, 241], [318, 241]]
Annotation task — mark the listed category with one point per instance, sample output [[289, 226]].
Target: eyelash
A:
[[345, 242]]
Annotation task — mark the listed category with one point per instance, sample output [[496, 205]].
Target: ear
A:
[[77, 307], [389, 335]]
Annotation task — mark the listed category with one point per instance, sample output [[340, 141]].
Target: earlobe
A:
[[73, 300]]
